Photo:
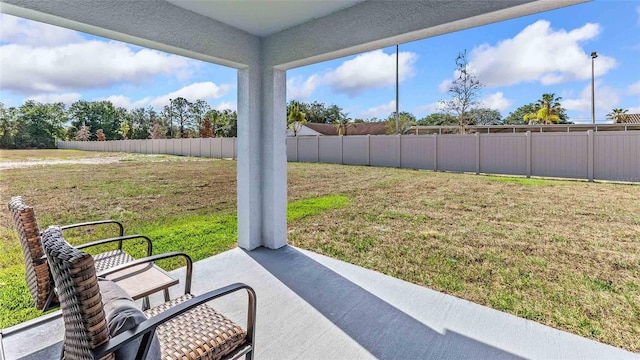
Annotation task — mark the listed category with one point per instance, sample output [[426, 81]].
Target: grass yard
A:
[[562, 253]]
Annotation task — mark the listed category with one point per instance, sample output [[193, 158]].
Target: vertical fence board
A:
[[616, 156], [228, 148], [308, 148], [329, 149], [457, 153], [559, 155], [417, 152], [503, 154], [384, 151], [355, 150]]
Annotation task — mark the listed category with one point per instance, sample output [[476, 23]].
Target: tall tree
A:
[[464, 91], [156, 131], [97, 115], [485, 116], [39, 124], [437, 119], [619, 115], [547, 110], [405, 121], [516, 117], [296, 118], [181, 111], [198, 109], [8, 126], [84, 133], [100, 135], [125, 130]]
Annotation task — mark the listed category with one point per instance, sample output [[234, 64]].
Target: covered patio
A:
[[314, 307], [309, 306]]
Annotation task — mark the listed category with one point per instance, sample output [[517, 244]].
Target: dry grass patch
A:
[[562, 253]]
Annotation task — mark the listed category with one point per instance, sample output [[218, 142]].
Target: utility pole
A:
[[594, 55], [397, 91]]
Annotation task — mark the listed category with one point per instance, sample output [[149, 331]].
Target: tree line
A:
[[39, 125]]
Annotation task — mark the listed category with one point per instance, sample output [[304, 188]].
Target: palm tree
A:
[[547, 110], [618, 115], [296, 118]]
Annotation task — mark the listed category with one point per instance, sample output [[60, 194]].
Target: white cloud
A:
[[381, 111], [437, 106], [25, 32], [226, 105], [203, 90], [634, 89], [118, 101], [66, 98], [606, 98], [39, 58], [298, 89], [445, 85], [539, 53], [634, 110], [496, 101], [371, 70]]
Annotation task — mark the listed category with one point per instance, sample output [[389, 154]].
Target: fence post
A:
[[435, 152], [590, 150], [318, 148], [297, 153], [528, 142], [399, 150], [477, 153]]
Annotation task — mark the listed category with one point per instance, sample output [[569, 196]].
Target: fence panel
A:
[[308, 148], [355, 150], [456, 153], [418, 151], [611, 155], [292, 149], [330, 149], [384, 151], [616, 156], [228, 148], [503, 153], [559, 155]]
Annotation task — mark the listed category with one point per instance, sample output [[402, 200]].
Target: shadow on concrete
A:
[[382, 329]]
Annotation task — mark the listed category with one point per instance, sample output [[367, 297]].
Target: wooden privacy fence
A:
[[611, 155]]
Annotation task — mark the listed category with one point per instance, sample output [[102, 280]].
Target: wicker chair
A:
[[37, 275], [186, 327]]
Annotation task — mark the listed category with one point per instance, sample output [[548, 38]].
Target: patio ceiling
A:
[[263, 39], [264, 18]]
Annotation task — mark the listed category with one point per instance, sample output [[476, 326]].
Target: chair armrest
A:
[[94, 223], [147, 328], [187, 258], [119, 239]]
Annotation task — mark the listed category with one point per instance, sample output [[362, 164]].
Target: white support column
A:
[[274, 158], [262, 158]]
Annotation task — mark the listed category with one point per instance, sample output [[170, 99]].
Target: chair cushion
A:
[[123, 314]]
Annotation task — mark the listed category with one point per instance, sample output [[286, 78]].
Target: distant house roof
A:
[[372, 128]]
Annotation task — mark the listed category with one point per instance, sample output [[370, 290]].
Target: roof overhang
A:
[[296, 33]]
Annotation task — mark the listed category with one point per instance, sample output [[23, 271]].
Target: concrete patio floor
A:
[[314, 307]]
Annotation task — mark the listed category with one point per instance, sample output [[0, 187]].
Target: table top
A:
[[142, 280]]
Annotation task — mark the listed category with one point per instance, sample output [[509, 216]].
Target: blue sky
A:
[[517, 60]]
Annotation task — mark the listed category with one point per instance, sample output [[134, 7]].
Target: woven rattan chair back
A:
[[75, 278], [37, 274]]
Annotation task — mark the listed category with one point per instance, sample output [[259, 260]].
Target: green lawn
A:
[[562, 253]]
